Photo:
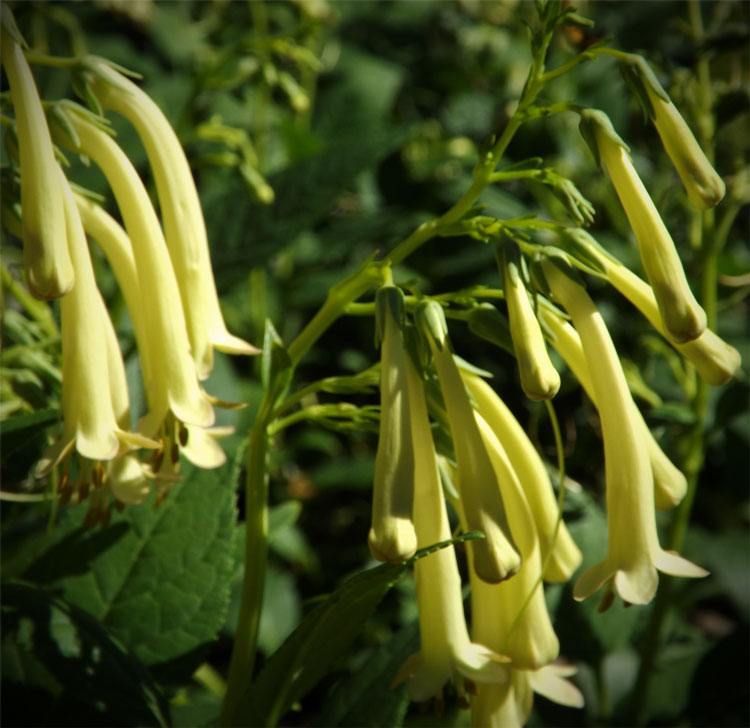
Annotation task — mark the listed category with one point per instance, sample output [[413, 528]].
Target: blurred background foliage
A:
[[320, 132]]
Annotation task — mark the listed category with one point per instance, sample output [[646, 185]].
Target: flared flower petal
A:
[[634, 554], [445, 644], [495, 556], [563, 554], [49, 269], [682, 314], [539, 378], [175, 384], [392, 536], [184, 227]]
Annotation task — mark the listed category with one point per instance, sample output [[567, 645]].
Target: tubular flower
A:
[[114, 241], [495, 556], [539, 378], [509, 705], [512, 617], [702, 184], [445, 644], [715, 361], [174, 385], [563, 554], [670, 484], [49, 269], [634, 554], [682, 314], [93, 388], [184, 227], [392, 536]]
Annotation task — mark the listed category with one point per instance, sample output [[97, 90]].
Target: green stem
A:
[[256, 549]]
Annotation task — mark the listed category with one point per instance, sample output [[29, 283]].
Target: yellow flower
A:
[[509, 705], [174, 385], [495, 556], [670, 485], [49, 270], [512, 617], [184, 227], [634, 553], [564, 555], [703, 185], [682, 315], [94, 390], [539, 378], [445, 644], [392, 536], [715, 361]]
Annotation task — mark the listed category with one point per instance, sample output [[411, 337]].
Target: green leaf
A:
[[157, 578], [61, 668], [16, 432], [365, 697], [322, 637]]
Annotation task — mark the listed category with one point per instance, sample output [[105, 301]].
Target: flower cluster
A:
[[485, 467], [164, 274]]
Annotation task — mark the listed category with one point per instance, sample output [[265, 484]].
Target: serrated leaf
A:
[[61, 668], [157, 579]]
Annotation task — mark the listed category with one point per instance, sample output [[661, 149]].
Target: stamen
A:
[[63, 484], [83, 490], [157, 459], [183, 435], [174, 454], [105, 516], [607, 600], [92, 516], [471, 687]]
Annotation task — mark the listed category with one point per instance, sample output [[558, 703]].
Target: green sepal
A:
[[83, 90], [389, 300], [276, 365], [431, 320], [8, 23], [639, 75], [561, 260], [579, 244], [595, 122]]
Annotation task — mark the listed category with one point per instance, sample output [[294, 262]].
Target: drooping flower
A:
[[495, 557], [670, 485], [539, 378], [445, 645], [184, 227], [563, 554], [93, 388], [702, 184], [512, 617], [682, 314], [49, 269], [392, 536], [174, 385], [509, 705], [715, 361], [634, 553]]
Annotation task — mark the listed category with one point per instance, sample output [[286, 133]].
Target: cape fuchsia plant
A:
[[461, 491]]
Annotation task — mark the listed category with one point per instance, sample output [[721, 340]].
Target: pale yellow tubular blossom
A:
[[563, 554], [634, 553], [89, 420], [702, 184], [184, 227], [682, 315], [114, 241], [670, 485], [509, 706], [444, 638], [392, 536], [49, 269], [175, 382], [495, 556], [512, 617], [201, 448], [503, 706], [715, 361], [539, 378]]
